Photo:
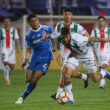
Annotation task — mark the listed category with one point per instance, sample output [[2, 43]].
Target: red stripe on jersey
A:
[[102, 35], [70, 47], [7, 39], [68, 27]]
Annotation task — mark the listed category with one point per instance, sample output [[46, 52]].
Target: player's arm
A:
[[108, 39], [27, 56], [18, 44], [17, 40], [94, 39]]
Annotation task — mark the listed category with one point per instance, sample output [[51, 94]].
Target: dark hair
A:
[[64, 31], [31, 16], [101, 17], [67, 10]]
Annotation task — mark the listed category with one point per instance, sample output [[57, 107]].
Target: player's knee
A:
[[67, 75], [95, 79]]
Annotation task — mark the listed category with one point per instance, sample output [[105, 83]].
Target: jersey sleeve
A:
[[49, 30], [81, 30], [55, 34], [28, 42], [16, 35]]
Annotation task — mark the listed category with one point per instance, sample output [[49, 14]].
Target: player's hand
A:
[[54, 49], [108, 39], [23, 64], [46, 36]]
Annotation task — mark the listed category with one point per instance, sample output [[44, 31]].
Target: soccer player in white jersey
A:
[[78, 44], [101, 49], [8, 36], [64, 52]]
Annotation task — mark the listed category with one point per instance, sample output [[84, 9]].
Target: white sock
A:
[[103, 73], [59, 90], [68, 89], [84, 76], [102, 83], [6, 72]]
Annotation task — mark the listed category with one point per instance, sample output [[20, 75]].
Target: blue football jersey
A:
[[41, 49]]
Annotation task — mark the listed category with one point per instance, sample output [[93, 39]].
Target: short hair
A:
[[101, 17], [64, 31], [30, 17], [67, 10]]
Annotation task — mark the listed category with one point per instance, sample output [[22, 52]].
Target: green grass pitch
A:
[[91, 98]]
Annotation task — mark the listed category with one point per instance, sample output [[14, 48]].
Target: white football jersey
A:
[[78, 44], [7, 39], [74, 28], [100, 46]]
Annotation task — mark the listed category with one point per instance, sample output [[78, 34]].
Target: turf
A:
[[91, 98]]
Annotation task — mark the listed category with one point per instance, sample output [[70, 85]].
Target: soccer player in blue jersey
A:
[[41, 55]]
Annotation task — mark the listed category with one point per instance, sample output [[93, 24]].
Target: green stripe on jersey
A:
[[59, 27], [75, 28], [96, 36], [108, 31], [1, 37]]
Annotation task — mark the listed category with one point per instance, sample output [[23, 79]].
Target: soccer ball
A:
[[63, 97]]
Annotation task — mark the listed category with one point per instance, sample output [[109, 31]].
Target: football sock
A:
[[68, 89], [102, 82], [60, 88], [6, 72], [102, 72], [83, 76], [28, 90]]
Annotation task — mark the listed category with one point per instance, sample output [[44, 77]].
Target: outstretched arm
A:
[[94, 39]]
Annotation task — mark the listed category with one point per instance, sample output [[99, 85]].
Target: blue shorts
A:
[[42, 66]]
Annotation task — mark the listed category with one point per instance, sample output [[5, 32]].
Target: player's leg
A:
[[6, 72], [5, 60], [103, 63], [77, 74], [12, 62], [68, 84], [29, 75], [40, 70], [32, 79]]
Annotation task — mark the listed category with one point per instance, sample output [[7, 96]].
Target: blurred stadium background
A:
[[50, 12]]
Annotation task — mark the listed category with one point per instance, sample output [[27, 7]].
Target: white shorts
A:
[[9, 56], [102, 58], [87, 60]]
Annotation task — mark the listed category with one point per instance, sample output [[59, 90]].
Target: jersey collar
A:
[[37, 29]]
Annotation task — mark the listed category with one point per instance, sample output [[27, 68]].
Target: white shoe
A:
[[20, 100]]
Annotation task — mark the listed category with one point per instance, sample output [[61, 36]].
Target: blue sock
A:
[[28, 90]]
